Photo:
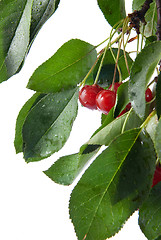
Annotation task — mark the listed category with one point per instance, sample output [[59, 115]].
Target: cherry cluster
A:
[[95, 97]]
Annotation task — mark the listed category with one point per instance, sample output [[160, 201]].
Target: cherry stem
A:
[[124, 124], [100, 66], [142, 37], [90, 71], [125, 26], [117, 58], [117, 25], [148, 118]]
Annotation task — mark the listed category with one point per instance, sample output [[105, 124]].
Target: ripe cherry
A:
[[87, 95], [126, 109], [105, 100], [148, 95], [115, 87], [157, 176]]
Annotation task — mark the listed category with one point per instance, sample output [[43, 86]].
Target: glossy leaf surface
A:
[[150, 214], [48, 124], [113, 129], [113, 187], [41, 11], [66, 169], [15, 19], [112, 13], [19, 23], [158, 139], [18, 142], [65, 69], [141, 72]]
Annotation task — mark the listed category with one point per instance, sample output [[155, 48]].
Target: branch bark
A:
[[139, 16], [158, 33]]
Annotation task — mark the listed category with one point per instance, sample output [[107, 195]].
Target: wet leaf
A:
[[18, 142], [65, 69], [113, 187], [67, 168], [141, 72], [150, 214], [113, 129], [19, 23], [48, 124]]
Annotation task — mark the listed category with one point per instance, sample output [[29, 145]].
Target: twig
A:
[[158, 33], [139, 16]]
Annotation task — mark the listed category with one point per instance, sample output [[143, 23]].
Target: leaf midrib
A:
[[94, 215], [63, 69], [56, 119]]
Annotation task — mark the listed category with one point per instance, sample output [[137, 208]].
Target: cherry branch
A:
[[139, 16], [158, 33]]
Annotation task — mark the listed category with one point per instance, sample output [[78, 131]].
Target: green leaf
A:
[[158, 96], [158, 139], [15, 19], [150, 214], [141, 72], [41, 12], [113, 129], [150, 16], [113, 187], [113, 11], [67, 168], [150, 40], [48, 124], [19, 23], [122, 98], [107, 70], [18, 142], [65, 69], [151, 126]]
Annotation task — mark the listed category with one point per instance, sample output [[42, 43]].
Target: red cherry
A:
[[157, 176], [148, 95], [115, 87], [105, 100], [121, 113], [126, 109], [87, 95]]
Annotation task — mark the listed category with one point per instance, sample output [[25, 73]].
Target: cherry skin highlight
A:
[[148, 95], [87, 95], [105, 100]]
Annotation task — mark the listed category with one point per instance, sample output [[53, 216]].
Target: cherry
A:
[[126, 109], [105, 100], [115, 87], [148, 95], [87, 95], [157, 176]]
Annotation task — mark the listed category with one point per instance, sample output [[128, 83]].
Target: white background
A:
[[32, 207]]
